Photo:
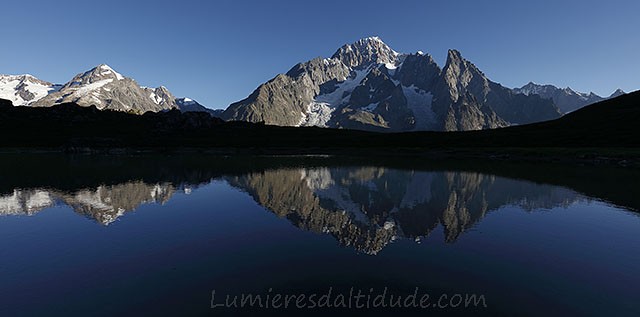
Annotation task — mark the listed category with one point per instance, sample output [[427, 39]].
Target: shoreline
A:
[[622, 157]]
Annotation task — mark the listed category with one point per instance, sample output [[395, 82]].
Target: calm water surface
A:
[[156, 235]]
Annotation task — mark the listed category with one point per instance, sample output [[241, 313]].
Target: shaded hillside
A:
[[69, 125], [611, 123]]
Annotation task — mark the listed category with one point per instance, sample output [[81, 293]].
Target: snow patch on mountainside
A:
[[156, 99], [40, 90], [316, 115], [337, 97], [319, 111], [390, 66], [420, 101], [8, 90], [106, 70], [84, 90]]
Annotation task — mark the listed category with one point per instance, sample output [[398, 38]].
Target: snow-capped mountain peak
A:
[[23, 90], [161, 96], [190, 105], [570, 91], [100, 86], [105, 88], [617, 93], [530, 88], [106, 70], [567, 99], [99, 73], [185, 101], [366, 51]]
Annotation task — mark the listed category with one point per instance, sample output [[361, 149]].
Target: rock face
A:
[[366, 51], [286, 99], [367, 85], [566, 99]]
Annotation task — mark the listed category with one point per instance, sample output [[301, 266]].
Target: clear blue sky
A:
[[218, 52]]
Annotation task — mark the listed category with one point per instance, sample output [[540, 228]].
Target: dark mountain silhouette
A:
[[610, 123]]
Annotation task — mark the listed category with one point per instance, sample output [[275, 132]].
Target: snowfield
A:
[[319, 111], [420, 101], [9, 86]]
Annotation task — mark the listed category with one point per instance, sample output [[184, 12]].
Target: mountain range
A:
[[365, 85], [566, 99], [101, 86]]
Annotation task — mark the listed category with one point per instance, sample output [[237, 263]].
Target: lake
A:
[[186, 234]]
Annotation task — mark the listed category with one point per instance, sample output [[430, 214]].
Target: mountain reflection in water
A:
[[368, 207], [362, 207], [153, 234]]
